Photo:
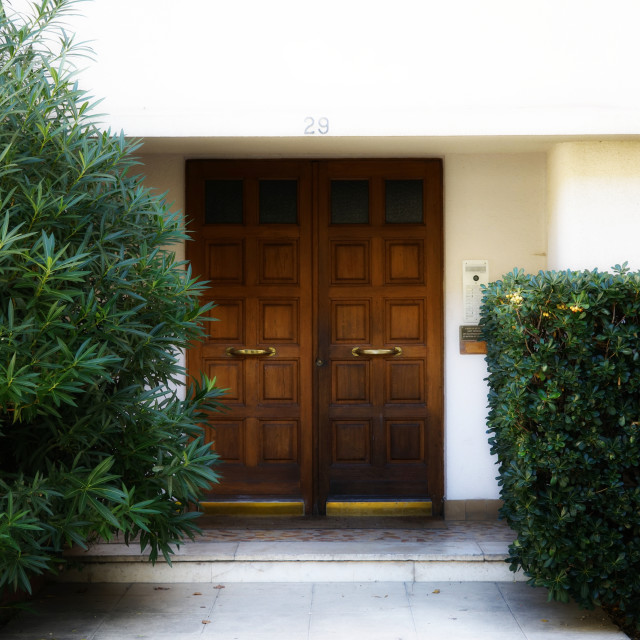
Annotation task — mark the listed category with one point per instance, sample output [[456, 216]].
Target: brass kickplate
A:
[[379, 508], [253, 508]]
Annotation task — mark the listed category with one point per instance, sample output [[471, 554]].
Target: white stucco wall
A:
[[495, 210], [411, 67], [594, 205]]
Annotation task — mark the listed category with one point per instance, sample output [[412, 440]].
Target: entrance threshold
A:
[[378, 507], [253, 508], [336, 507]]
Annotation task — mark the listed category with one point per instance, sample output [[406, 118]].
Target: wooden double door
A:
[[327, 280]]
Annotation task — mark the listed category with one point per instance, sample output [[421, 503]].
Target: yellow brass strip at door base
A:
[[254, 508], [379, 508]]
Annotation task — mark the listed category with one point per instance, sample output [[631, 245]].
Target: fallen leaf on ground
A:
[[206, 621], [197, 593], [219, 586], [436, 591], [161, 588]]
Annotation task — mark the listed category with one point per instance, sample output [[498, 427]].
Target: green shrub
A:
[[97, 435], [564, 379]]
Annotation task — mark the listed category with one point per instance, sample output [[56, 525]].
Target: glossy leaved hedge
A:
[[564, 399]]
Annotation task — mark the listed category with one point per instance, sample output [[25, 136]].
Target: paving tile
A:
[[525, 601], [540, 618], [262, 611], [462, 610], [173, 604], [167, 590], [568, 618], [151, 625], [457, 623], [171, 635], [95, 598], [72, 621], [456, 596], [248, 626], [393, 624], [568, 634], [263, 598], [523, 593], [86, 591], [361, 598], [51, 636], [469, 631]]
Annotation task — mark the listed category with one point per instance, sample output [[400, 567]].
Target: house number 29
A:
[[319, 126]]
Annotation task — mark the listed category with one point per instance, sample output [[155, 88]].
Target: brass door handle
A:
[[232, 351], [359, 351]]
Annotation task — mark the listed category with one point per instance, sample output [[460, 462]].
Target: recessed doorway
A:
[[327, 278]]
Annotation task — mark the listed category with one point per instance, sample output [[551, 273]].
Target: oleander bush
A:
[[97, 434], [564, 399]]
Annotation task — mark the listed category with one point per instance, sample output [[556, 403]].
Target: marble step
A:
[[353, 556]]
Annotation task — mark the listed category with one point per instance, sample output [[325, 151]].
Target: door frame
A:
[[311, 491]]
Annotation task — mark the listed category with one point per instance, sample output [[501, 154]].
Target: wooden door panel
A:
[[279, 442], [225, 262], [404, 321], [252, 222], [279, 383], [278, 260], [228, 438], [405, 441], [405, 382], [367, 481], [350, 321], [351, 442], [350, 263], [229, 375], [228, 325], [379, 281], [351, 383], [404, 262], [279, 321]]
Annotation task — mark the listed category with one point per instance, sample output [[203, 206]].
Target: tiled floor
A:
[[377, 603], [450, 531], [306, 611]]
